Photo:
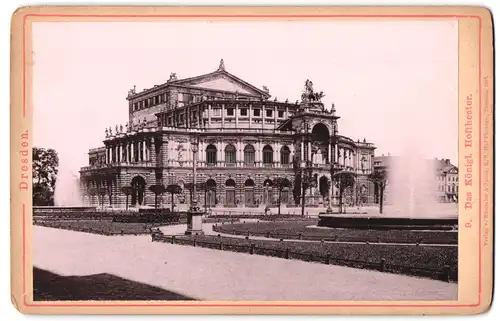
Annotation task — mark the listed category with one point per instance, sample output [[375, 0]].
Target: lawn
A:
[[428, 261], [48, 286], [300, 230]]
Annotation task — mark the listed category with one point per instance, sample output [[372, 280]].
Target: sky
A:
[[394, 83]]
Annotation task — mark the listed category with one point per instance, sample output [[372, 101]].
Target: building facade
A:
[[233, 138]]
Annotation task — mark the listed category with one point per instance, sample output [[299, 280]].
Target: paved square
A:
[[208, 274]]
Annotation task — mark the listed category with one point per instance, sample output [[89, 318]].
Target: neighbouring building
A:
[[234, 138]]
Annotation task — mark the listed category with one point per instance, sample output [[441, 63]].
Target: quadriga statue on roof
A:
[[309, 95]]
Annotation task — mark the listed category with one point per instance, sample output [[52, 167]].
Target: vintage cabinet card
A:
[[252, 160]]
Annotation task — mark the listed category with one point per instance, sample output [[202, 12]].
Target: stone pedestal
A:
[[194, 221]]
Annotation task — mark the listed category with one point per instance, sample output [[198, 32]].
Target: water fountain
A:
[[67, 190], [67, 194], [412, 201]]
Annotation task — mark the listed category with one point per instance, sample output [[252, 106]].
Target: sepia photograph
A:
[[279, 161]]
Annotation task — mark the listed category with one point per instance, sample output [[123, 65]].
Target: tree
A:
[[127, 190], [280, 184], [173, 189], [379, 178], [303, 181], [158, 190], [342, 180], [307, 181], [45, 169]]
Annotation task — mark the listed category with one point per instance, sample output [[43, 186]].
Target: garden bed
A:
[[437, 262], [103, 226], [300, 231]]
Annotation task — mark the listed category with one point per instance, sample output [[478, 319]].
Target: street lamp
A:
[[194, 148], [195, 221]]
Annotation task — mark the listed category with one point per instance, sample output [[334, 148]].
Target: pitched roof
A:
[[197, 81]]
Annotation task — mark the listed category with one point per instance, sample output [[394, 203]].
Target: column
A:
[[107, 155], [223, 110], [308, 150], [236, 114], [302, 157], [275, 116], [201, 155], [336, 152], [116, 153], [209, 115], [132, 152], [257, 153], [276, 152], [220, 150], [144, 150], [146, 146], [239, 153], [328, 150]]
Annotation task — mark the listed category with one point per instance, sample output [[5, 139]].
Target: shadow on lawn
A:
[[48, 286]]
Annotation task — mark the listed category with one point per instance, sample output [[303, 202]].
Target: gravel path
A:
[[217, 275]]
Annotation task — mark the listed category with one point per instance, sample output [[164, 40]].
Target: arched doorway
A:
[[320, 144], [268, 191], [285, 192], [211, 192], [249, 192], [230, 192], [139, 185], [363, 197], [324, 187]]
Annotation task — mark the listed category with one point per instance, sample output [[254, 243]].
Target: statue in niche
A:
[[318, 157], [180, 153]]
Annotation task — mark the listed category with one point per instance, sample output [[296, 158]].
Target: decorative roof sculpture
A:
[[309, 95], [221, 65]]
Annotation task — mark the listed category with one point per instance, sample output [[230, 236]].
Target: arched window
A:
[[230, 154], [211, 154], [249, 155], [267, 154], [285, 155]]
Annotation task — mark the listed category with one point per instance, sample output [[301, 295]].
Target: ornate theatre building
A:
[[233, 139]]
